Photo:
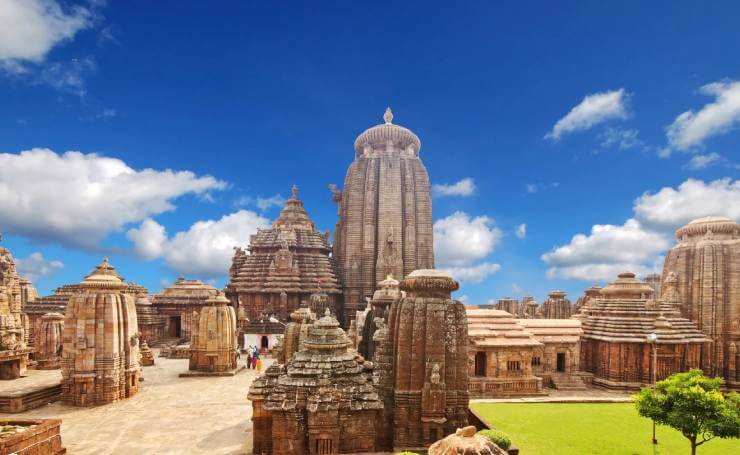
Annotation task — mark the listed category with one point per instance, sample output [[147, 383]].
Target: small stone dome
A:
[[627, 286], [709, 224], [379, 135]]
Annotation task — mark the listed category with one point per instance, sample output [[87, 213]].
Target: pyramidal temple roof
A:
[[293, 214]]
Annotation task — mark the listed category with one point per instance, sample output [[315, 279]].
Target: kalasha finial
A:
[[105, 260], [294, 190], [388, 116]]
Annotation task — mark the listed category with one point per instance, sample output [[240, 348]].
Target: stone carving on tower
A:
[[13, 322], [385, 213], [286, 264], [702, 275]]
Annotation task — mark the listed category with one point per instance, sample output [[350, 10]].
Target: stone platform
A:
[[37, 388], [39, 437], [169, 415], [199, 374]]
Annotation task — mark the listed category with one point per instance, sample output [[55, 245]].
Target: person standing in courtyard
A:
[[259, 365], [249, 359]]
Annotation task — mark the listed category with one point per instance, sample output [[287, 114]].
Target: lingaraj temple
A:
[[369, 352]]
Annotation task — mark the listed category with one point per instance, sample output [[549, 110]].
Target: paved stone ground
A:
[[567, 396], [169, 415]]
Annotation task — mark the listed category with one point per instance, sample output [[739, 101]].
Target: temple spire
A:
[[388, 116]]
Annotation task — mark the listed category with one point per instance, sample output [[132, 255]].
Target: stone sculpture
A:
[[14, 350]]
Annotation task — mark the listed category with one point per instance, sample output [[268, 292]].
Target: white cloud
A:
[[690, 129], [622, 139], [77, 199], [670, 208], [148, 239], [516, 289], [35, 267], [638, 244], [465, 187], [262, 203], [473, 273], [460, 240], [531, 188], [205, 249], [521, 231], [594, 109], [698, 162], [69, 77], [29, 29]]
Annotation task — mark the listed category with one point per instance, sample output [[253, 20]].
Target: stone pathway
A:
[[169, 415], [565, 396]]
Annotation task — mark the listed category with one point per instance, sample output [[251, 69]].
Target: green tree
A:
[[692, 404]]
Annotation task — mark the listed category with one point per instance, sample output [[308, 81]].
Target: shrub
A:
[[499, 438]]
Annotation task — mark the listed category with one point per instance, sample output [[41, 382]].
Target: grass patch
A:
[[589, 428]]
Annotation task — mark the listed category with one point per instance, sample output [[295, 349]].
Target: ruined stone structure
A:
[[178, 303], [429, 335], [501, 358], [387, 294], [465, 441], [556, 306], [285, 266], [31, 437], [49, 341], [213, 344], [100, 356], [14, 349], [509, 305], [151, 325], [322, 401], [296, 333], [702, 275], [529, 307], [146, 355], [385, 213], [591, 293], [615, 328]]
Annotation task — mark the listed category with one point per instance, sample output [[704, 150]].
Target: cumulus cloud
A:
[[690, 129], [671, 208], [36, 267], [699, 162], [205, 249], [460, 241], [474, 273], [606, 251], [29, 29], [521, 231], [594, 109], [465, 187], [77, 199], [639, 244]]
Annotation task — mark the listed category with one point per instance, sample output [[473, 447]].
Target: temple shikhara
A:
[[356, 343], [100, 356], [385, 213], [284, 266]]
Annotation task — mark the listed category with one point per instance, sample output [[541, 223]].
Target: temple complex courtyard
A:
[[169, 415], [588, 428]]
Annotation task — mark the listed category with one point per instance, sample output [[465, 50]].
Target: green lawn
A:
[[589, 428]]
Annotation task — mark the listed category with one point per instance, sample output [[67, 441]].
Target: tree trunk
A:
[[693, 447]]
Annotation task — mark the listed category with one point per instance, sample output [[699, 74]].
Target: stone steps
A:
[[567, 382], [34, 399]]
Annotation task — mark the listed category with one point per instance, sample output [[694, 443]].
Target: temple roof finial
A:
[[388, 116], [294, 190]]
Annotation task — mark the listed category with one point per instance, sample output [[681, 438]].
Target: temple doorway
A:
[[561, 362], [175, 328], [264, 342], [480, 364]]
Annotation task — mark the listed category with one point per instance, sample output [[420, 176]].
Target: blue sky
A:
[[614, 120]]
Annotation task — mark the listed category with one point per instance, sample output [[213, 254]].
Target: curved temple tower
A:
[[100, 356], [702, 274], [385, 213]]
